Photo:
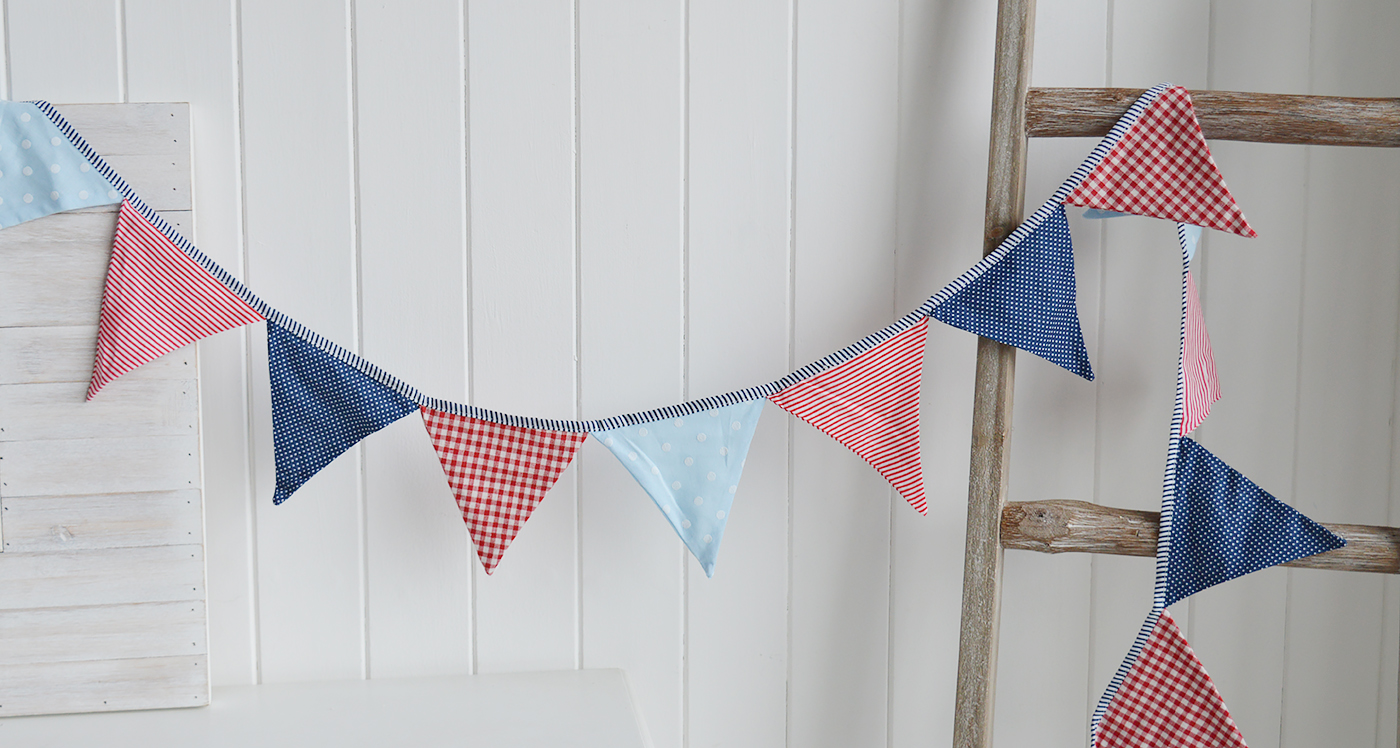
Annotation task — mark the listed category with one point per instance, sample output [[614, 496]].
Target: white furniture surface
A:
[[556, 709]]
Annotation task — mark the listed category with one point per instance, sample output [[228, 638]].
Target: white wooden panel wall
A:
[[578, 209]]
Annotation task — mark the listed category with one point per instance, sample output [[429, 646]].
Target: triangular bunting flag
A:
[[1167, 700], [690, 466], [1027, 299], [157, 299], [321, 406], [871, 405], [40, 171], [1224, 526], [1202, 386], [498, 473], [1162, 168]]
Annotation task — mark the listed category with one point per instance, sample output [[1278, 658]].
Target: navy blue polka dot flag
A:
[[1027, 299], [1224, 526], [321, 406]]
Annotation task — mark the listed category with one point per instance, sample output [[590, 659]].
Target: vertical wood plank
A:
[[524, 306], [63, 50], [944, 109], [845, 155], [1251, 293], [740, 105], [1139, 337], [302, 260], [630, 92], [1043, 692], [411, 149], [179, 51], [1351, 276]]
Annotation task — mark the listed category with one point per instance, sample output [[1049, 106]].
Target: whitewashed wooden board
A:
[[102, 594]]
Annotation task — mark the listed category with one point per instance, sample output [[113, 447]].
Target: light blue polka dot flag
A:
[[1027, 299], [690, 466], [1224, 526], [321, 406], [40, 170]]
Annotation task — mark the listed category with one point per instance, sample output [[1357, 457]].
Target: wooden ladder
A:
[[1019, 113]]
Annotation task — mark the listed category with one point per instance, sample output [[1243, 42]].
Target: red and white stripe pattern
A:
[[1202, 386], [498, 473], [1167, 699], [157, 299], [1163, 168], [871, 405]]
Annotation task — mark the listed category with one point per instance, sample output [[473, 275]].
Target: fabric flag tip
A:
[[321, 406], [1027, 299], [156, 299], [48, 173], [1162, 167], [498, 474], [1224, 526], [690, 467], [870, 404], [1167, 699]]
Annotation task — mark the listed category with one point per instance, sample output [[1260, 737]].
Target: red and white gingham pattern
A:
[[1163, 168], [1167, 700], [498, 473], [157, 299], [871, 405], [1197, 364]]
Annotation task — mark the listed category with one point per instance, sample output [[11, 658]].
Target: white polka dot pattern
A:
[[1027, 300], [320, 407], [1224, 526], [46, 174], [690, 467]]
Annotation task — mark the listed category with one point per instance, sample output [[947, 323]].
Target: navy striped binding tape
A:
[[673, 411]]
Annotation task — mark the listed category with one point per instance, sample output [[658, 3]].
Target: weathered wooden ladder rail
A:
[[1068, 526], [1018, 114]]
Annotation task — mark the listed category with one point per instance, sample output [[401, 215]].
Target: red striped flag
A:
[[157, 299], [871, 405], [1202, 386], [498, 473], [1163, 168], [1167, 699]]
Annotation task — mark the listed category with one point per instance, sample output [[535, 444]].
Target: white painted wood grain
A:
[[33, 355], [135, 407], [178, 51], [739, 153], [409, 62], [103, 632], [73, 246], [66, 523], [62, 50], [586, 708], [1351, 274], [942, 170], [147, 144], [846, 132], [101, 577], [631, 274], [66, 467], [105, 685], [303, 259], [525, 306]]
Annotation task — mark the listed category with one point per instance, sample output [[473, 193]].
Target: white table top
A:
[[558, 709]]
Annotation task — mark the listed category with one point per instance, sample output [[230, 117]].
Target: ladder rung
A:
[[1066, 526], [1224, 115]]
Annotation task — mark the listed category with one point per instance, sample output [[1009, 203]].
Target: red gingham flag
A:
[[1163, 168], [871, 405], [157, 299], [1167, 700], [1197, 364], [498, 473]]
